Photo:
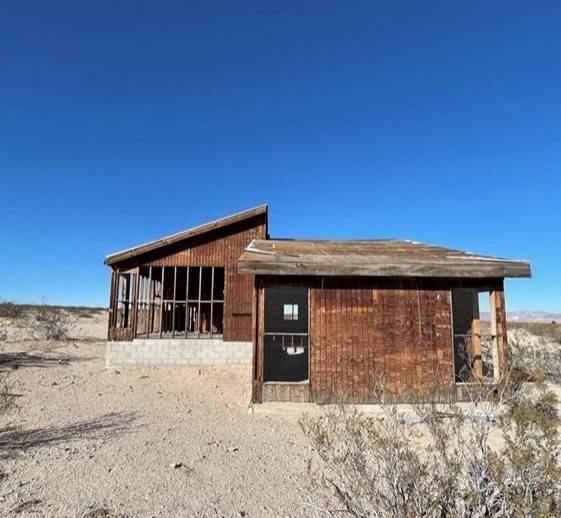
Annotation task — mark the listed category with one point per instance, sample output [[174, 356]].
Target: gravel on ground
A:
[[90, 441]]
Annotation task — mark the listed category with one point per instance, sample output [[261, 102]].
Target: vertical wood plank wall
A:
[[220, 248], [363, 332], [396, 331]]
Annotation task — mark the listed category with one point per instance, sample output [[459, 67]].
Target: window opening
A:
[[290, 311], [180, 301]]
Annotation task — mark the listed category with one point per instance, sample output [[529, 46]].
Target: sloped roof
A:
[[185, 234], [395, 258]]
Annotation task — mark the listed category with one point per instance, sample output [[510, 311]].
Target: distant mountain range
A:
[[528, 316]]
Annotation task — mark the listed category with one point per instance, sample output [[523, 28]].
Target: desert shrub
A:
[[51, 323], [445, 464], [10, 309], [548, 331], [535, 356], [528, 471]]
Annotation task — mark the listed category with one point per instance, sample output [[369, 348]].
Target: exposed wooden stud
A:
[[162, 300], [173, 307], [150, 303], [476, 338], [111, 319], [134, 301], [187, 303], [211, 299], [199, 303], [495, 346]]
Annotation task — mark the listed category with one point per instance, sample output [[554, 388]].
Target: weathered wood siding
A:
[[397, 333], [220, 248], [365, 332], [286, 392]]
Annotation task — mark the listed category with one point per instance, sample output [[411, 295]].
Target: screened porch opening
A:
[[180, 302], [474, 321]]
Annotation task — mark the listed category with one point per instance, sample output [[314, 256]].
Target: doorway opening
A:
[[474, 321], [286, 334]]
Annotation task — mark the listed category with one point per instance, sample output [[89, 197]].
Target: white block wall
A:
[[192, 351]]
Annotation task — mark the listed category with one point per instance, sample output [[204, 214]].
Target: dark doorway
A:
[[464, 310], [286, 333]]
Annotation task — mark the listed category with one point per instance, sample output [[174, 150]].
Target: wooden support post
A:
[[498, 330], [173, 307], [187, 304], [211, 298], [257, 385], [150, 325], [134, 302], [254, 342], [162, 300], [112, 306], [199, 304], [476, 338]]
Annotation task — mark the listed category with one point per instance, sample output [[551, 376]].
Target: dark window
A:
[[286, 333]]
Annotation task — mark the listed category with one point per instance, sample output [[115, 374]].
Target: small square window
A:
[[290, 311]]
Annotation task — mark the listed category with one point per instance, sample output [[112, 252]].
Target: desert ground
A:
[[83, 440]]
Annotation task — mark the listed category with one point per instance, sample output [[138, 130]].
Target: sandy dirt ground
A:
[[86, 441], [170, 442]]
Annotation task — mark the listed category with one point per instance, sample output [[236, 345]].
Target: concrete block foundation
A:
[[165, 352]]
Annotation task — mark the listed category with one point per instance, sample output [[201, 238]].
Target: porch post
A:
[[499, 332], [257, 336], [476, 338]]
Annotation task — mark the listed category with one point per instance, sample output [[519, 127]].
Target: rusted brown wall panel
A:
[[394, 332]]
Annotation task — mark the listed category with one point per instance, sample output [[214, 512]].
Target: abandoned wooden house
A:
[[320, 321]]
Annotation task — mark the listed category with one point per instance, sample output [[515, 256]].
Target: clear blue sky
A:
[[125, 121]]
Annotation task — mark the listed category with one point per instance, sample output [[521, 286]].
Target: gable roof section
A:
[[386, 258], [185, 234]]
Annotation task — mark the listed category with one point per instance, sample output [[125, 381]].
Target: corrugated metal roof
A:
[[384, 257], [185, 234]]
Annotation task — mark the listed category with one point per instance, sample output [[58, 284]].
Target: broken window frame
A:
[[123, 300], [164, 312]]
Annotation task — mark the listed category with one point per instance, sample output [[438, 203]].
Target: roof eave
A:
[[512, 270], [185, 234]]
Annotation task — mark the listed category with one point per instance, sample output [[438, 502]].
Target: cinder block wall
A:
[[163, 352]]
